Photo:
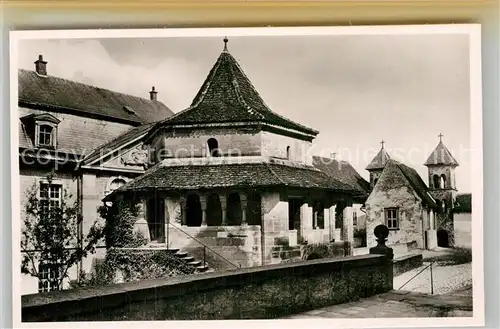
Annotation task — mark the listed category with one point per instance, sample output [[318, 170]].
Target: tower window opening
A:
[[213, 147]]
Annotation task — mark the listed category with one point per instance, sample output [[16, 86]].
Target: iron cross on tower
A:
[[382, 143], [440, 137]]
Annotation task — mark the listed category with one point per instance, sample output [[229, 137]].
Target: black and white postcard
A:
[[317, 175]]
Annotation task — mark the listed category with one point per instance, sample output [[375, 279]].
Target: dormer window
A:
[[42, 128]]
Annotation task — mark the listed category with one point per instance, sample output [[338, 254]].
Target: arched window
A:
[[288, 152], [442, 182], [435, 180], [213, 147], [116, 184]]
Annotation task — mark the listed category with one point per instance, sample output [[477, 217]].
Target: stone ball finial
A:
[[381, 232]]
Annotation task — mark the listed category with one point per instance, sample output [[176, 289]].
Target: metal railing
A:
[[205, 247], [420, 272]]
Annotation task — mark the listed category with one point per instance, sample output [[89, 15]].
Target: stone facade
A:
[[394, 191]]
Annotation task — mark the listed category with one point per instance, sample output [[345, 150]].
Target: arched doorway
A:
[[214, 210], [234, 212], [193, 210], [442, 237], [254, 209]]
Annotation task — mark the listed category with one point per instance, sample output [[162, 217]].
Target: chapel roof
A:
[[415, 181], [228, 96], [196, 177], [441, 156], [379, 160], [50, 92], [344, 172]]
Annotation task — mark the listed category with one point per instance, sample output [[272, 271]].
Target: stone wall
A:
[[274, 145], [463, 230], [253, 293], [189, 143]]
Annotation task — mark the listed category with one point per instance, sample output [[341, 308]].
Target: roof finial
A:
[[225, 43], [440, 137], [382, 143]]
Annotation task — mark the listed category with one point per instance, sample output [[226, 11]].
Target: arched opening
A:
[[116, 184], [213, 147], [288, 152], [156, 218], [234, 211], [193, 210], [442, 181], [214, 210], [319, 213], [442, 239], [254, 209], [436, 181]]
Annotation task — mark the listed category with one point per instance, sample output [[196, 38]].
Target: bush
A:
[[331, 250], [454, 256], [134, 265], [460, 255]]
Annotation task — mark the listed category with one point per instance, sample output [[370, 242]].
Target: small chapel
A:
[[418, 215], [230, 174]]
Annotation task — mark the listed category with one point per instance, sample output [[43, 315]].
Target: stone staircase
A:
[[184, 257]]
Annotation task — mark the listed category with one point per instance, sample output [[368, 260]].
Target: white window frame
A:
[[49, 198], [53, 137], [47, 281], [391, 217]]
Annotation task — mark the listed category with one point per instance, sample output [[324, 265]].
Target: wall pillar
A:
[[223, 206], [347, 229], [183, 202], [244, 203], [331, 219], [203, 203]]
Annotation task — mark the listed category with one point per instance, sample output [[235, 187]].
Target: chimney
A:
[[41, 66], [153, 94]]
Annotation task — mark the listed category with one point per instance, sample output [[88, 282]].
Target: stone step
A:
[[181, 254], [173, 250], [194, 263], [188, 259], [202, 268]]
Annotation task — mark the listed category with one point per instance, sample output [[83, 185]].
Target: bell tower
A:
[[442, 186], [377, 165]]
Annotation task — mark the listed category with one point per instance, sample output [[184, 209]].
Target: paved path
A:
[[397, 304], [445, 279]]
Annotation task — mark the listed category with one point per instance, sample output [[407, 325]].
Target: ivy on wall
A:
[[129, 264]]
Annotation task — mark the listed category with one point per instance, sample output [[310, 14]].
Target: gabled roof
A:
[[343, 172], [415, 181], [463, 203], [441, 156], [62, 94], [41, 117], [379, 160], [125, 138], [228, 96], [199, 177]]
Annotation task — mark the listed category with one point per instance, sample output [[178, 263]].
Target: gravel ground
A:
[[446, 279]]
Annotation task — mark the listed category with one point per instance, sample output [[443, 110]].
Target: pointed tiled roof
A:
[[228, 96], [379, 160], [441, 156]]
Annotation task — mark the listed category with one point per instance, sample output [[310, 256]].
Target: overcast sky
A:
[[356, 90]]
